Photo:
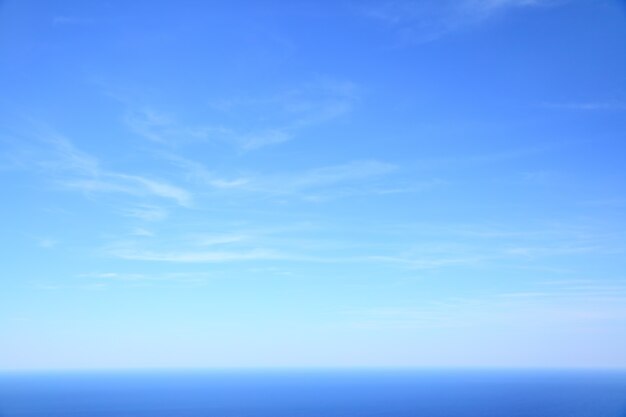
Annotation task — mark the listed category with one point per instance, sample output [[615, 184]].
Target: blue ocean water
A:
[[414, 393]]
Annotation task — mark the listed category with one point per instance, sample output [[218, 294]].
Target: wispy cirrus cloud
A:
[[354, 177], [587, 105], [81, 171], [427, 262], [248, 122], [148, 213], [143, 277], [109, 280], [528, 307], [47, 242], [419, 21], [321, 183], [161, 127], [278, 243], [494, 247], [327, 178], [351, 171], [140, 231], [206, 256]]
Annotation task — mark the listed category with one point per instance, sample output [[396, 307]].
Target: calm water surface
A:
[[315, 393]]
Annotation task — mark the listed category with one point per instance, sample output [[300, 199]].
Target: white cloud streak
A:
[[588, 106], [420, 21], [86, 174], [197, 256], [249, 123], [326, 178], [147, 213], [431, 246], [529, 308], [134, 277]]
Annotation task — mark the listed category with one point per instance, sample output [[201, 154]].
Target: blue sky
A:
[[312, 184]]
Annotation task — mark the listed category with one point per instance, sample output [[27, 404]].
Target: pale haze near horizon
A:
[[312, 184]]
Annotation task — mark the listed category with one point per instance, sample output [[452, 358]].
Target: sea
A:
[[315, 393]]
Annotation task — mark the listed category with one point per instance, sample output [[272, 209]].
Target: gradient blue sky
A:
[[345, 183]]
